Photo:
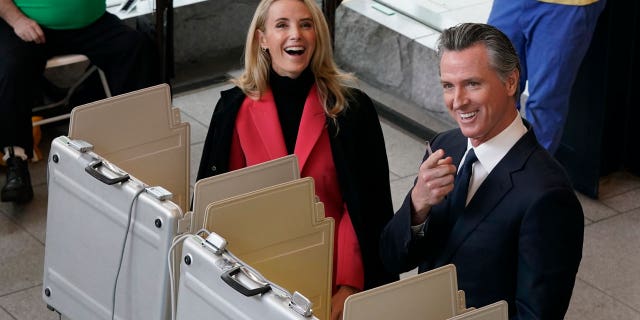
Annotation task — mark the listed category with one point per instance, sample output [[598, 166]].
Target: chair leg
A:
[[52, 119], [84, 77], [70, 92], [105, 84]]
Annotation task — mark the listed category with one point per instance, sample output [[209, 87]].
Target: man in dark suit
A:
[[516, 232]]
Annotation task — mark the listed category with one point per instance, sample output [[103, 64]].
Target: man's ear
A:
[[512, 82]]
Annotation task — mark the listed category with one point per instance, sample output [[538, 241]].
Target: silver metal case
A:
[[87, 216], [204, 294]]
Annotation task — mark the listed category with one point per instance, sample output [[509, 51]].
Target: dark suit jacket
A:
[[360, 159], [519, 238]]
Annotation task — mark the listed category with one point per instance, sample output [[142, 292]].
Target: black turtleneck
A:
[[290, 96]]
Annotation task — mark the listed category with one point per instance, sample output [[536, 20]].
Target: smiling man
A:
[[490, 199]]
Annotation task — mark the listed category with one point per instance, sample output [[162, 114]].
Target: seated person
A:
[[31, 32], [509, 219]]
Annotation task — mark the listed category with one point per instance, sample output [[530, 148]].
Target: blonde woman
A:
[[292, 99]]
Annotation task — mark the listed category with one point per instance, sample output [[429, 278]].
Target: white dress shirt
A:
[[491, 152]]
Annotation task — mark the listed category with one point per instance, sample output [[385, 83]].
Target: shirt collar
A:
[[491, 152]]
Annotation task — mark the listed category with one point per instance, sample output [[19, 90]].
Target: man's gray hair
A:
[[502, 55]]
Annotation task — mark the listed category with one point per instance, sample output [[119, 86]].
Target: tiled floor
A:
[[608, 285]]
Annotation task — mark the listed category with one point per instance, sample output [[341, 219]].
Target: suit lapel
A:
[[259, 130], [311, 127], [261, 136], [492, 191]]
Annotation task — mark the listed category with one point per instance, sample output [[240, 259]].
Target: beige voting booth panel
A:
[[282, 232], [429, 295], [494, 311], [241, 181], [142, 134]]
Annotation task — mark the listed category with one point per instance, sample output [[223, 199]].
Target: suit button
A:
[[213, 168]]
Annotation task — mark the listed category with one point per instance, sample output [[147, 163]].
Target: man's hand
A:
[[28, 30], [337, 301], [434, 182]]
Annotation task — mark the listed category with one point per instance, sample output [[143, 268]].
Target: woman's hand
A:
[[337, 301]]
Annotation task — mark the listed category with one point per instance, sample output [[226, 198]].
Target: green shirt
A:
[[62, 14]]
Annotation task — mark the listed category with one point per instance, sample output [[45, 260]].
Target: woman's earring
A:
[[264, 49]]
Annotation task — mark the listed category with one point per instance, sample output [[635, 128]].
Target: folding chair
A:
[[63, 60]]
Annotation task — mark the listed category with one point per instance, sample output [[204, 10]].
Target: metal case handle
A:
[[231, 281], [92, 169]]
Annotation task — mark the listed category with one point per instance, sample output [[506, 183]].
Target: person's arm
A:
[[217, 145], [550, 250], [349, 269], [363, 170], [9, 12], [25, 28], [398, 240], [349, 266]]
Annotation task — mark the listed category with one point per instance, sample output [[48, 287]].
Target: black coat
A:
[[360, 159]]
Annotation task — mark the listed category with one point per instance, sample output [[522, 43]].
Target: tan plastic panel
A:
[[241, 181], [494, 311], [142, 134], [283, 233], [428, 295]]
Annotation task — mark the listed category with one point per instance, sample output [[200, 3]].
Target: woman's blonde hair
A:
[[332, 83]]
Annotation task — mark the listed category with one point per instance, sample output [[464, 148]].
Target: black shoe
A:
[[18, 187]]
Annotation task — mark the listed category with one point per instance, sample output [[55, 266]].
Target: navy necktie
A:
[[461, 187]]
